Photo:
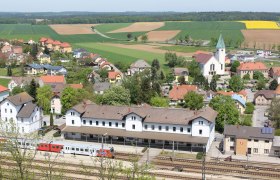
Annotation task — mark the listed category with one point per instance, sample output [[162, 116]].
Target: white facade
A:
[[9, 112], [56, 105], [213, 67]]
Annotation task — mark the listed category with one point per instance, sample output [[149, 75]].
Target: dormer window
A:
[[133, 118], [8, 104], [200, 122], [72, 113]]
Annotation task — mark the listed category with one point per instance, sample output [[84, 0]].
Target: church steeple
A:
[[221, 43]]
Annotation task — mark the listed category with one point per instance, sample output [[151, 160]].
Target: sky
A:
[[139, 5]]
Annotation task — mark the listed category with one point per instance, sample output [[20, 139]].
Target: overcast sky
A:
[[138, 5]]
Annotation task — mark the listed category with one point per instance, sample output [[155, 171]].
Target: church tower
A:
[[221, 53]]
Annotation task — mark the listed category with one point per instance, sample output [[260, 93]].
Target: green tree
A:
[[236, 84], [194, 69], [155, 64], [44, 95], [261, 84], [135, 38], [46, 50], [161, 76], [246, 77], [34, 51], [129, 36], [103, 73], [16, 90], [144, 38], [234, 66], [227, 111], [171, 59], [159, 101], [9, 71], [68, 98], [246, 120], [213, 84], [258, 75], [51, 119], [182, 80], [32, 89], [199, 80], [273, 85], [249, 108], [193, 100], [116, 95], [274, 112]]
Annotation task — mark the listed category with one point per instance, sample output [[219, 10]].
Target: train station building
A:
[[165, 128]]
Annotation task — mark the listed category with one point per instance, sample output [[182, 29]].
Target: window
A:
[[133, 118], [189, 130], [72, 113], [159, 128], [276, 152], [174, 129], [8, 104], [232, 148], [11, 111], [200, 131], [256, 140], [232, 139], [221, 67], [22, 129], [153, 127], [96, 123], [84, 122], [146, 126], [6, 119], [255, 150], [110, 123], [22, 120], [123, 125], [103, 123], [5, 110], [266, 141], [73, 134], [167, 128], [266, 151], [90, 122], [73, 121], [181, 129], [249, 139], [117, 124], [133, 126], [200, 122]]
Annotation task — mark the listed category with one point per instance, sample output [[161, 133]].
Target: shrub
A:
[[277, 132], [199, 155], [57, 134], [249, 108], [246, 120]]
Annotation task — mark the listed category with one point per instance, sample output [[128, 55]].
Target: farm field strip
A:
[[261, 24], [69, 29], [162, 35], [140, 27], [105, 28]]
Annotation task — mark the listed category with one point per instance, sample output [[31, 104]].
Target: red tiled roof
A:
[[3, 88], [201, 52], [49, 41], [242, 92], [43, 39], [76, 86], [178, 92], [277, 91], [275, 71], [252, 66], [56, 43], [65, 45], [112, 75], [53, 79], [203, 58], [225, 93]]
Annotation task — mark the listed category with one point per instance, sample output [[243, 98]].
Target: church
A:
[[212, 64]]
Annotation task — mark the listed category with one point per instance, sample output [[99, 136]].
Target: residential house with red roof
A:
[[65, 47], [274, 73], [212, 64], [56, 45], [177, 93], [17, 49], [51, 80], [250, 68], [6, 48], [4, 92], [114, 77]]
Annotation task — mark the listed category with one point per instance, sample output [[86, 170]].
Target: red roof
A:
[[76, 86], [113, 75], [252, 66], [53, 79], [201, 52], [225, 93], [3, 88], [203, 58], [242, 92], [65, 45], [49, 41], [105, 63], [178, 92], [43, 39], [277, 91], [56, 43]]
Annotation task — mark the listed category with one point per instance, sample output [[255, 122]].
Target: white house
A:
[[157, 127], [213, 64], [138, 66], [20, 109]]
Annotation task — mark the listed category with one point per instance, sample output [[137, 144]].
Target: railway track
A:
[[217, 168]]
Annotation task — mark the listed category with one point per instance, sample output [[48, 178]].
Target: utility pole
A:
[[102, 153], [203, 164]]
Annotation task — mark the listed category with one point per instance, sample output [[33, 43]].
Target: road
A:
[[250, 95], [258, 116]]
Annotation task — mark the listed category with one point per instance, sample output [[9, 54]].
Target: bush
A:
[[57, 134], [277, 132], [144, 149], [249, 108], [199, 155], [246, 120]]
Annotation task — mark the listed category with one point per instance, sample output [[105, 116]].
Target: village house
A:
[[17, 49], [264, 97], [106, 65], [54, 70], [239, 98], [44, 59], [177, 93], [77, 53], [56, 45], [213, 64], [114, 77], [4, 92], [274, 73], [181, 72], [65, 47], [250, 68], [263, 53], [246, 58], [245, 140], [101, 87], [21, 82], [145, 125], [6, 48], [51, 80], [20, 109], [34, 69], [138, 66]]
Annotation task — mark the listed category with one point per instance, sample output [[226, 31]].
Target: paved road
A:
[[5, 77], [250, 95], [258, 116]]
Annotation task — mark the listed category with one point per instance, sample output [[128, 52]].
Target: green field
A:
[[207, 30], [105, 28], [187, 49], [4, 82], [123, 36]]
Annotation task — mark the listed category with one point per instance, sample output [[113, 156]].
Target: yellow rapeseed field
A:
[[261, 24]]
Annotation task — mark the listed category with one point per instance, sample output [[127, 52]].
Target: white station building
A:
[[147, 126]]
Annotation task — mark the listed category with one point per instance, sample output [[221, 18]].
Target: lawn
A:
[[123, 36], [207, 30], [105, 28], [186, 49], [15, 71], [4, 82]]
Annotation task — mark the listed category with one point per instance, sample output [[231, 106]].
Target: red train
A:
[[50, 147]]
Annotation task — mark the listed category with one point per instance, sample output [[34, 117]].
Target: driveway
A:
[[258, 116], [250, 95], [56, 121]]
